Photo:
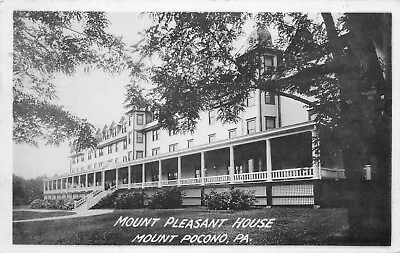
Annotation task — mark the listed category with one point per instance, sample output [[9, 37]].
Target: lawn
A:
[[26, 215], [292, 226]]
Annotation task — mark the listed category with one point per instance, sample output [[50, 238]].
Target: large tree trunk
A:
[[369, 201]]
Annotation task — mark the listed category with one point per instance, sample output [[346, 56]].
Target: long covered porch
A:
[[285, 156]]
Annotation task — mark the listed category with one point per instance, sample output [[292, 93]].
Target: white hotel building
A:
[[269, 150]]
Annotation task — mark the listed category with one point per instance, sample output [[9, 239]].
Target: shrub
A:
[[107, 201], [234, 199], [168, 197], [63, 204], [130, 200]]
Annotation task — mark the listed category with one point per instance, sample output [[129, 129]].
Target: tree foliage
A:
[[25, 191], [341, 69], [47, 44]]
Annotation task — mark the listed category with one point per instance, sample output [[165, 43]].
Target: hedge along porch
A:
[[281, 165]]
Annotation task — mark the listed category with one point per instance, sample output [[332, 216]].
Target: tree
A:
[[49, 43], [345, 67]]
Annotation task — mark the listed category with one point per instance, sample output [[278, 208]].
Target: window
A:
[[140, 119], [172, 132], [109, 149], [94, 165], [129, 137], [139, 137], [124, 128], [89, 155], [270, 123], [95, 153], [116, 160], [251, 101], [172, 175], [232, 133], [124, 158], [130, 121], [251, 126], [101, 152], [156, 134], [100, 164], [190, 143], [82, 158], [139, 154], [125, 144], [155, 151], [267, 61], [269, 99], [129, 155], [116, 147], [211, 138], [211, 117], [173, 147]]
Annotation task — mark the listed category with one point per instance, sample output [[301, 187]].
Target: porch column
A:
[[103, 179], [179, 170], [129, 177], [268, 160], [231, 163], [116, 177], [143, 175], [79, 181], [48, 185], [202, 167], [44, 186], [56, 184], [315, 154], [159, 174], [87, 180]]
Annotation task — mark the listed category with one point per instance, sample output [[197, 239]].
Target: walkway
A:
[[78, 214]]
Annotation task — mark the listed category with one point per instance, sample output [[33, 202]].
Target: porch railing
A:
[[190, 181], [307, 172], [261, 175], [217, 179]]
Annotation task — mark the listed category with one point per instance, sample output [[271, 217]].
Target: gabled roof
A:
[[105, 128], [112, 125], [122, 120]]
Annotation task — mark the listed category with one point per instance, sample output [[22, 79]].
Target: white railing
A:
[[307, 172], [151, 184], [190, 181], [254, 176], [332, 173], [217, 179], [169, 182], [136, 185]]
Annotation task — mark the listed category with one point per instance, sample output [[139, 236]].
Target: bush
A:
[[62, 204], [234, 199], [107, 201], [168, 197], [130, 200]]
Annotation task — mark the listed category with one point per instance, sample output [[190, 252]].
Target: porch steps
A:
[[92, 199]]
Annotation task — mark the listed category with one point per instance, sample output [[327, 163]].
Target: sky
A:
[[95, 95], [80, 95]]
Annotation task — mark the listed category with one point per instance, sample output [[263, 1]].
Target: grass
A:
[[293, 226], [26, 215]]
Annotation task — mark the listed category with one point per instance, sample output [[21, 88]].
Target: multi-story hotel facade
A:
[[267, 151], [272, 150]]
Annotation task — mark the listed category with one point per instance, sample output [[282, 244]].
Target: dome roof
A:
[[260, 37]]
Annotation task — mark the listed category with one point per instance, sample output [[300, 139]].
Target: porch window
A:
[[172, 175], [211, 117], [156, 134], [139, 154], [155, 151], [251, 126], [270, 123], [172, 147], [139, 137], [269, 99], [190, 143], [232, 133], [211, 138], [251, 101], [140, 119]]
